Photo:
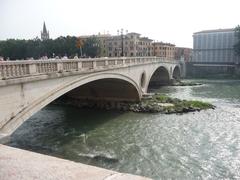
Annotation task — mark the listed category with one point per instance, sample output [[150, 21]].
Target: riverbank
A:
[[150, 103], [21, 164]]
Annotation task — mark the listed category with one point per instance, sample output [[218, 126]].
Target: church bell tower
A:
[[44, 33]]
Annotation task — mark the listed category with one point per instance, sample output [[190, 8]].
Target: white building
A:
[[214, 46]]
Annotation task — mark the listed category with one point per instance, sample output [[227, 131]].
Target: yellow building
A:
[[130, 44], [166, 50]]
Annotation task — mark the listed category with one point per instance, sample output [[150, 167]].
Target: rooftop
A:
[[146, 39], [215, 30], [95, 35], [165, 44], [133, 33]]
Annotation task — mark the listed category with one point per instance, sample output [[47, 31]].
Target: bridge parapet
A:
[[23, 68]]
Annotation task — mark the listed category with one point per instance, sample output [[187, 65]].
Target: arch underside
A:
[[176, 73], [105, 90], [160, 77]]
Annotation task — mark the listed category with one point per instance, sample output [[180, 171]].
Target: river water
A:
[[200, 145]]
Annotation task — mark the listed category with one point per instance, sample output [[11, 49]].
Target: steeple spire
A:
[[44, 28], [44, 33]]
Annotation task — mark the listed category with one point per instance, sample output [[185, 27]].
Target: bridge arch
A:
[[176, 73], [41, 102], [159, 77]]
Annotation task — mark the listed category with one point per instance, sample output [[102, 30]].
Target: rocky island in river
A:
[[150, 103]]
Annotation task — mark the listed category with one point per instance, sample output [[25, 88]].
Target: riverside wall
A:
[[21, 164]]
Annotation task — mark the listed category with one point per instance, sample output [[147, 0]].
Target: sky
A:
[[172, 21]]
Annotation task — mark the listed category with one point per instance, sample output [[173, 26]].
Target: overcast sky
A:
[[171, 21]]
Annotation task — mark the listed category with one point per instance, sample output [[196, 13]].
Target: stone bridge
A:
[[28, 86]]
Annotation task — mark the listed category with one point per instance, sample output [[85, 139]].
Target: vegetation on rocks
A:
[[168, 105], [154, 103], [181, 83]]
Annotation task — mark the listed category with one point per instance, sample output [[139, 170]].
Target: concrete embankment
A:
[[16, 164]]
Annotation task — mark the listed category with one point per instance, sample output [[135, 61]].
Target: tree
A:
[[91, 47], [79, 45], [69, 46], [237, 45]]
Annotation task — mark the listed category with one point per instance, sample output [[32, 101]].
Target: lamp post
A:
[[122, 42], [122, 37], [154, 48]]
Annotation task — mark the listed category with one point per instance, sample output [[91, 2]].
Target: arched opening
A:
[[105, 90], [159, 78], [176, 73]]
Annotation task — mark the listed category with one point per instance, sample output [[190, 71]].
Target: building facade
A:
[[186, 53], [132, 45], [44, 33], [166, 50], [214, 46]]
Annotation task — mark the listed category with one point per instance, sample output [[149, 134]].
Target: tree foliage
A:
[[237, 45], [35, 48], [91, 47]]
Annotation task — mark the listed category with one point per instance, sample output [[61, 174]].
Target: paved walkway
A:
[[17, 164]]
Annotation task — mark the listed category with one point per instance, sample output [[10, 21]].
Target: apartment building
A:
[[164, 50], [131, 45]]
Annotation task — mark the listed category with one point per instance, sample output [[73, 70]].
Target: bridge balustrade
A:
[[23, 68]]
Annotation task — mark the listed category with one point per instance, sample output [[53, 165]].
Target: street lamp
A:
[[122, 41], [154, 48], [121, 35]]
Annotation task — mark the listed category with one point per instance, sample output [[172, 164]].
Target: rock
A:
[[165, 104]]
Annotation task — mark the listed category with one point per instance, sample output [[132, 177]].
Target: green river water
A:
[[200, 145]]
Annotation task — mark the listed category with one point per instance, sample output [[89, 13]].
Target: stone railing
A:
[[23, 68]]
